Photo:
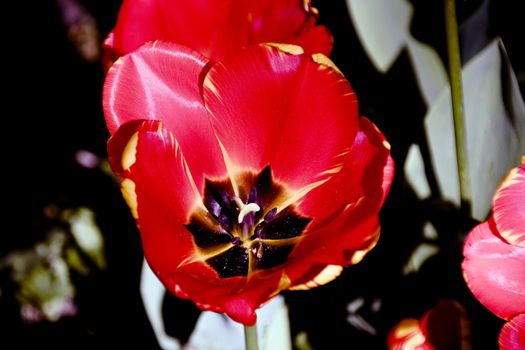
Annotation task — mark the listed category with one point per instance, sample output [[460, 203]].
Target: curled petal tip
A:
[[241, 310]]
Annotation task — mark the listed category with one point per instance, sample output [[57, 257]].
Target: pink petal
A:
[[512, 335], [160, 81], [509, 207], [495, 271]]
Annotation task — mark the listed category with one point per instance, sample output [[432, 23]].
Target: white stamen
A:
[[247, 209]]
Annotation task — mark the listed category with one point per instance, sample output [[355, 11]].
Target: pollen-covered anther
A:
[[257, 251]]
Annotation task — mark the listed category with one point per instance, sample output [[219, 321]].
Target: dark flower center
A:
[[243, 232]]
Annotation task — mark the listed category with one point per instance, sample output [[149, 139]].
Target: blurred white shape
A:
[[87, 159], [355, 319], [87, 233], [414, 165], [418, 257], [58, 307], [383, 28], [355, 305], [376, 305], [494, 108], [361, 324], [495, 134], [152, 292], [429, 231], [430, 73], [371, 19], [215, 331]]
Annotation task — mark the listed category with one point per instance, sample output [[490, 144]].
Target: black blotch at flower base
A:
[[264, 237]]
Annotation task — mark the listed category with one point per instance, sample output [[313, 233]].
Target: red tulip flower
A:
[[216, 27], [494, 264], [444, 327], [248, 176]]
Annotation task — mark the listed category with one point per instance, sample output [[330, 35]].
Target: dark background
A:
[[55, 99]]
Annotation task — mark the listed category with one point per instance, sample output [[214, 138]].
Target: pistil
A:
[[245, 217]]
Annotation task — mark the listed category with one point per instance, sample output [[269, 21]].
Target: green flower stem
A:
[[250, 336], [456, 90]]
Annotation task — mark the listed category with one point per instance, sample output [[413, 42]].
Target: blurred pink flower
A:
[[494, 264]]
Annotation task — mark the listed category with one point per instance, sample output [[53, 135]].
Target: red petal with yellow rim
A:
[[345, 209], [160, 81], [509, 207], [264, 112], [367, 170], [154, 173], [345, 241], [495, 271], [238, 297], [408, 335]]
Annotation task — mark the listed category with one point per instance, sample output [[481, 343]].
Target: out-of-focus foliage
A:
[[42, 273]]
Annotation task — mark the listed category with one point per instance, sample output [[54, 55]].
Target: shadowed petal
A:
[[345, 209], [512, 335], [217, 27], [495, 271], [346, 240], [289, 21], [238, 297], [446, 326], [267, 108], [316, 40], [509, 207], [368, 170], [160, 81]]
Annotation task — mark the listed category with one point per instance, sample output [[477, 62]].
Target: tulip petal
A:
[[289, 21], [509, 207], [147, 157], [238, 297], [512, 335], [160, 81], [407, 335], [217, 27], [267, 108], [495, 271], [316, 40], [368, 170], [138, 22], [345, 209], [346, 241], [446, 326]]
